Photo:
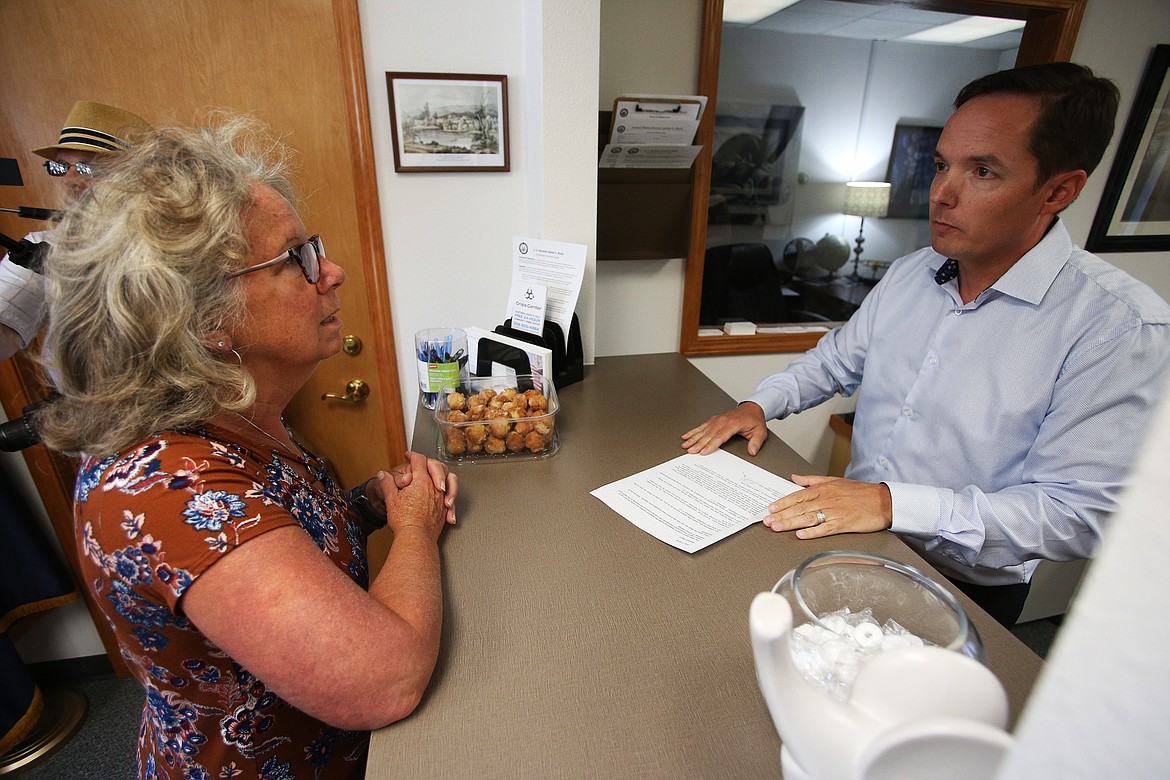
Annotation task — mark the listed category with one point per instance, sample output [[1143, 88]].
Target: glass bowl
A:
[[833, 593]]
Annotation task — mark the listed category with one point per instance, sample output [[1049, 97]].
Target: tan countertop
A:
[[575, 644]]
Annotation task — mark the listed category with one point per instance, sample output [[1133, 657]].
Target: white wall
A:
[[642, 305], [1117, 37], [449, 235], [649, 46]]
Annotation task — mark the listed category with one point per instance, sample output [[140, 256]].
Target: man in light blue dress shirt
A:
[[1009, 375]]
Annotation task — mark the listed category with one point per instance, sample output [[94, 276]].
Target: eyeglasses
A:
[[57, 168], [308, 255]]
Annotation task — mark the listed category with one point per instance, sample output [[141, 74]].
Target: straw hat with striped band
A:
[[95, 127]]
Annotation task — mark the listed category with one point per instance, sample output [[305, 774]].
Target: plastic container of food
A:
[[495, 418]]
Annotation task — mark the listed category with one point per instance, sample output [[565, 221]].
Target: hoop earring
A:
[[238, 357]]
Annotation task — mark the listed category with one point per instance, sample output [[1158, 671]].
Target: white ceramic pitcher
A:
[[929, 711]]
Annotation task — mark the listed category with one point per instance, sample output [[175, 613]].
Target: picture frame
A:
[[448, 122], [754, 163], [1134, 212], [911, 170]]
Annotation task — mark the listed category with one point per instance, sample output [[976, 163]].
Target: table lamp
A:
[[865, 199]]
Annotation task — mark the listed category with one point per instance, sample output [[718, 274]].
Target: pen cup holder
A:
[[442, 361]]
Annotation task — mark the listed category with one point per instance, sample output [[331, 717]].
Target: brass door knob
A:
[[356, 391], [351, 345]]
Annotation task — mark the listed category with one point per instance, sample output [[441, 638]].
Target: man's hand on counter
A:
[[746, 420], [832, 505]]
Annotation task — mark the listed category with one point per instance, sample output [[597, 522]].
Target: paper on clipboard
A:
[[656, 119]]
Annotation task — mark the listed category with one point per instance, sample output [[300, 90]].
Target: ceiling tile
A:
[[869, 21]]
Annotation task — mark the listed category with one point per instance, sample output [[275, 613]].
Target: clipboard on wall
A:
[[654, 101], [642, 213], [656, 119]]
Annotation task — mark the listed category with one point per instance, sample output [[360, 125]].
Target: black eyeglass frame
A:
[[310, 266]]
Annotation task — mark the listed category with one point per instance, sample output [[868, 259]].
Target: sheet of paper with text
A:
[[693, 501], [557, 266]]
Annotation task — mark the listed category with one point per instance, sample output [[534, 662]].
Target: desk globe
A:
[[799, 256], [832, 252]]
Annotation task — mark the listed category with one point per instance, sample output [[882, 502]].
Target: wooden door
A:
[[294, 64]]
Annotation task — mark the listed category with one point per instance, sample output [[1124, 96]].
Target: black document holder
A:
[[568, 357], [505, 354]]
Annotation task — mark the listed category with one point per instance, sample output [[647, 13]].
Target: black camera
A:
[[24, 252], [22, 432]]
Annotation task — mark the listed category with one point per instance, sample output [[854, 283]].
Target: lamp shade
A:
[[867, 198]]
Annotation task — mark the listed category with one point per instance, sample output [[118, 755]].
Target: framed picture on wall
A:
[[1134, 213], [755, 159], [911, 170], [444, 122]]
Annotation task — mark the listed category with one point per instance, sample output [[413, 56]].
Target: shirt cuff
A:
[[22, 300], [769, 401], [918, 509]]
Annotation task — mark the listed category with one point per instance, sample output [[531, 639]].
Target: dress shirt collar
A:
[[1032, 274]]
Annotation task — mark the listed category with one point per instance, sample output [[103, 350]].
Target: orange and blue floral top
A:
[[149, 521]]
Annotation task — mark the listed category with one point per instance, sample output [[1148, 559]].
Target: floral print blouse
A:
[[148, 522]]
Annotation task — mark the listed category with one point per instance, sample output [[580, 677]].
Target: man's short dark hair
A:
[[1077, 111]]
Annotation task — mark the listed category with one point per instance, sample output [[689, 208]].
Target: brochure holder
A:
[[497, 352], [568, 358]]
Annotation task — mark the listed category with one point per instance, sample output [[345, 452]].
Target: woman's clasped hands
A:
[[420, 492]]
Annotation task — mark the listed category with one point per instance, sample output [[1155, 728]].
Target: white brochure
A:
[[528, 302], [555, 265], [648, 156], [693, 501]]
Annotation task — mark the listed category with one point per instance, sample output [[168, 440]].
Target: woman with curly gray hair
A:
[[188, 304]]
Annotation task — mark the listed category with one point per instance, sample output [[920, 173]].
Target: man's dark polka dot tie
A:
[[949, 270]]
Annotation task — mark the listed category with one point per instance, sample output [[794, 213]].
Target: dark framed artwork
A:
[[911, 170], [755, 162], [445, 122], [1134, 213]]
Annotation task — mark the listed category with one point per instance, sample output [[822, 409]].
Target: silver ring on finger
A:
[[820, 516]]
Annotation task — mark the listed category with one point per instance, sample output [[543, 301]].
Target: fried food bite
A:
[[503, 421]]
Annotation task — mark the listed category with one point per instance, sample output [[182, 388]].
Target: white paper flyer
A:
[[693, 501], [555, 265]]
